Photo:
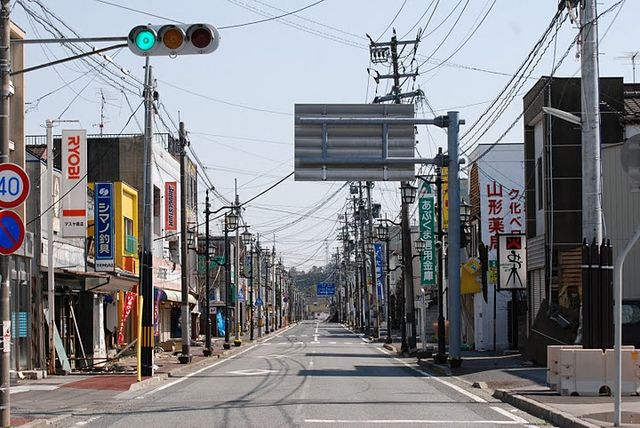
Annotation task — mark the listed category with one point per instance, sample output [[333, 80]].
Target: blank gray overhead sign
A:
[[349, 142]]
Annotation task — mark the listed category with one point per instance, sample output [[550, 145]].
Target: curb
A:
[[442, 370], [542, 411]]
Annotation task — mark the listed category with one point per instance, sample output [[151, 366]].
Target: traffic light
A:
[[173, 40]]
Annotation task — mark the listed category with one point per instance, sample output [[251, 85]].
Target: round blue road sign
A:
[[11, 232]]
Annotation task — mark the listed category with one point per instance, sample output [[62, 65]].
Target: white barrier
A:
[[589, 372], [553, 360], [630, 370]]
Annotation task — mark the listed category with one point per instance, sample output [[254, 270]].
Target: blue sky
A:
[[237, 103]]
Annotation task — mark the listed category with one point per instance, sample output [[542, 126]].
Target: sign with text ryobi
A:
[[74, 183]]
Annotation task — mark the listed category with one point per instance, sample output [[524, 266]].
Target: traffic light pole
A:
[[146, 283]]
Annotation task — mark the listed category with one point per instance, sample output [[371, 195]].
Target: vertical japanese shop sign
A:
[[103, 228], [377, 248], [74, 183], [445, 198], [512, 261], [171, 205], [428, 260], [503, 209]]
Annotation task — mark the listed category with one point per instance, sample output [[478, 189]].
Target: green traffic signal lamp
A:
[[172, 40], [145, 40]]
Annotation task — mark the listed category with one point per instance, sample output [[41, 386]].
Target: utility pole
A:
[[5, 293], [236, 277], [591, 184], [146, 283], [185, 316], [379, 53], [365, 286], [207, 261]]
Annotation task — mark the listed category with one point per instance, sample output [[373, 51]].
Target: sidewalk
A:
[[79, 389], [514, 380]]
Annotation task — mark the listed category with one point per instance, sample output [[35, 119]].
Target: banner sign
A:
[[103, 228], [445, 198], [171, 205], [129, 300], [429, 260], [74, 183], [377, 248], [512, 261]]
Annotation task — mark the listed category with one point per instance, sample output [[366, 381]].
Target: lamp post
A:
[[382, 232], [247, 240], [408, 194], [230, 224]]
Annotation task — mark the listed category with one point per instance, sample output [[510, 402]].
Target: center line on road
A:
[[405, 421]]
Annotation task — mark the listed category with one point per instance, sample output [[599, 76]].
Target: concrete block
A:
[[582, 372], [630, 370], [553, 359]]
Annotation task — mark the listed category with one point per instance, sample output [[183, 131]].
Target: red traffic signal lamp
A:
[[173, 40]]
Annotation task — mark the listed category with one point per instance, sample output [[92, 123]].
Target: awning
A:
[[172, 296]]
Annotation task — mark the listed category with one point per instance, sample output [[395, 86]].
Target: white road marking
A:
[[252, 372], [332, 343], [315, 337], [88, 421], [348, 343], [317, 327], [405, 421], [298, 343], [437, 379], [510, 415], [35, 387], [304, 335]]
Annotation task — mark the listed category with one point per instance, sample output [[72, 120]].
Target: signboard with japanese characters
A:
[[377, 249], [104, 233], [512, 261], [428, 260], [502, 211], [171, 205], [74, 183], [445, 198]]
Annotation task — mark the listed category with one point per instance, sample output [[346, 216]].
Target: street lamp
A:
[[408, 195], [247, 241], [230, 224], [382, 232]]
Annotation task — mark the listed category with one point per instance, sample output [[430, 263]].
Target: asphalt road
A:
[[313, 375]]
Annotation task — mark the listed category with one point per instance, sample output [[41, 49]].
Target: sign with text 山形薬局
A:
[[428, 260], [103, 228], [74, 183]]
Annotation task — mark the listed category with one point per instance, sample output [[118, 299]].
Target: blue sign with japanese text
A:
[[103, 227], [325, 289], [379, 269]]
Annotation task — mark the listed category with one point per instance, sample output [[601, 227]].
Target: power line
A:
[[273, 18]]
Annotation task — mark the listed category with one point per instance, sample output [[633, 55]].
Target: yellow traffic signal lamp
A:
[[172, 40]]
